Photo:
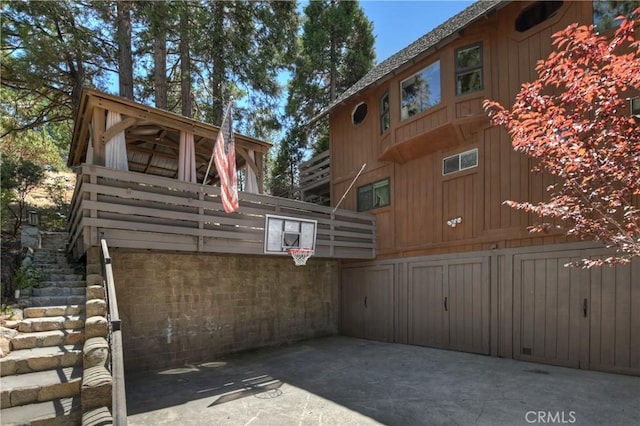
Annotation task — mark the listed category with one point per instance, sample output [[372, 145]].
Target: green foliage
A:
[[28, 276], [7, 311], [47, 144], [51, 50], [18, 178], [54, 218]]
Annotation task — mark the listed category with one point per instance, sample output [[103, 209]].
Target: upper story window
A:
[[385, 118], [536, 14], [359, 113], [605, 13], [420, 91], [374, 195], [469, 69], [456, 163]]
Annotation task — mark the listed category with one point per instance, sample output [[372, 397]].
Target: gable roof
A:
[[422, 46], [152, 136]]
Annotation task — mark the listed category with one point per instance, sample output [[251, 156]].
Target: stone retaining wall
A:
[[182, 308]]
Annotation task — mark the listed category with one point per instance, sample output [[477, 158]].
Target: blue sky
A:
[[399, 23]]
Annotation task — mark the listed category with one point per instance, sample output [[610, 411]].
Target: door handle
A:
[[445, 304], [584, 307], [365, 301]]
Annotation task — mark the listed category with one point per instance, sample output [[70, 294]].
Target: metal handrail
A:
[[118, 397]]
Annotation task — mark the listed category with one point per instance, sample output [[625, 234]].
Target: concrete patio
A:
[[341, 381]]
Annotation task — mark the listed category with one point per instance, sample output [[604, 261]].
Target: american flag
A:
[[224, 155]]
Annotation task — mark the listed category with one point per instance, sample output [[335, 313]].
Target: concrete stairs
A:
[[42, 376]]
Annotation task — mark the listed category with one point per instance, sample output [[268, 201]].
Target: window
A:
[[374, 195], [359, 113], [605, 13], [464, 160], [469, 69], [536, 14], [384, 113], [420, 91], [635, 107]]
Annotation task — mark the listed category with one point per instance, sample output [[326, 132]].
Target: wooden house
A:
[[455, 268], [194, 282]]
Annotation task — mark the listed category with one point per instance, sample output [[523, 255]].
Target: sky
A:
[[396, 24]]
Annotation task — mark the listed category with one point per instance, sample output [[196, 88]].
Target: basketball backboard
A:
[[282, 233]]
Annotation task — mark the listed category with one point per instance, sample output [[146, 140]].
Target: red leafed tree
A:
[[575, 121]]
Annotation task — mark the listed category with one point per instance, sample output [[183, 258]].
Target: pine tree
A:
[[337, 49], [51, 50]]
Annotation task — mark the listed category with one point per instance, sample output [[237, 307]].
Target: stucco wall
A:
[[182, 308]]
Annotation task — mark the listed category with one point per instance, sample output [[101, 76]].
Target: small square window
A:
[[451, 164], [464, 160], [469, 159], [606, 13], [374, 195], [381, 194]]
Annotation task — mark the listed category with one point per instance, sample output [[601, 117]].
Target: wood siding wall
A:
[[513, 303], [422, 199]]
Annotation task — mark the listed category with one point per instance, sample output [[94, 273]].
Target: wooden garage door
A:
[[367, 302], [614, 318], [573, 317], [449, 304], [548, 311]]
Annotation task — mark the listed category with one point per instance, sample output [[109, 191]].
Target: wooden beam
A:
[[260, 175], [245, 154], [119, 127], [98, 124]]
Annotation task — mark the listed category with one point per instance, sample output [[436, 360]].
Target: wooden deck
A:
[[315, 178], [138, 211]]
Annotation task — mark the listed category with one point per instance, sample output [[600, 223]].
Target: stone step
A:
[[26, 302], [41, 386], [52, 311], [51, 261], [30, 325], [65, 412], [57, 269], [43, 339], [59, 291], [66, 277], [39, 359], [79, 283]]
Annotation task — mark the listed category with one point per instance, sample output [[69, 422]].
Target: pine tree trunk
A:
[[125, 57], [217, 61], [185, 63], [160, 72]]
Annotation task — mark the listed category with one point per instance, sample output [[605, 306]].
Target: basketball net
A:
[[300, 256]]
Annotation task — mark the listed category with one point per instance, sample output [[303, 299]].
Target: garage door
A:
[[367, 302], [573, 317], [449, 304]]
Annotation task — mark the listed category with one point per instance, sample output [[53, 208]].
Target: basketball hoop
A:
[[300, 256]]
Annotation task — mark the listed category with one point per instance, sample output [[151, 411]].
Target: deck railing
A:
[[315, 179], [315, 172], [139, 211], [118, 395]]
